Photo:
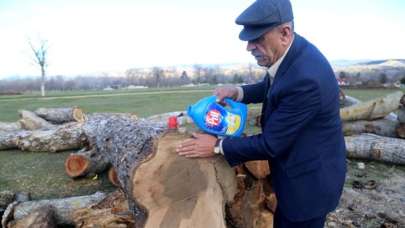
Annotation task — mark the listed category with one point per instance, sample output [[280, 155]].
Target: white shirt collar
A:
[[273, 69]]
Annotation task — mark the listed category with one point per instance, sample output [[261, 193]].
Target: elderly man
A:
[[301, 127]]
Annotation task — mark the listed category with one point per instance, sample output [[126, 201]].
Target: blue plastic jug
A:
[[216, 119]]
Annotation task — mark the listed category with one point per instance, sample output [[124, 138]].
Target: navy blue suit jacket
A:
[[301, 134]]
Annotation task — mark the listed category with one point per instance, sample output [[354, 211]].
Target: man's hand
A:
[[201, 146], [226, 92]]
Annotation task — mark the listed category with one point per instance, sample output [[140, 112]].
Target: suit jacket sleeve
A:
[[298, 104], [255, 93]]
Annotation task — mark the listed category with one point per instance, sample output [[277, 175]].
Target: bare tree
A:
[[40, 53]]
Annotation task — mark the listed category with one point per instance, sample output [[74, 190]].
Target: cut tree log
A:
[[113, 178], [401, 130], [259, 169], [61, 115], [63, 208], [250, 207], [10, 126], [112, 211], [374, 147], [182, 118], [30, 121], [84, 163], [8, 140], [69, 136], [374, 109], [382, 127], [178, 192], [43, 217]]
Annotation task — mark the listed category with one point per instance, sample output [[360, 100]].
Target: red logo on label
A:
[[213, 118]]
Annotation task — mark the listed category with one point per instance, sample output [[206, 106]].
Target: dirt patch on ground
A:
[[373, 197]]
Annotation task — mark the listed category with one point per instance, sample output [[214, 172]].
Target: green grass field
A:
[[42, 174]]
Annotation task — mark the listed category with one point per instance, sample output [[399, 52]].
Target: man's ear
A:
[[286, 33]]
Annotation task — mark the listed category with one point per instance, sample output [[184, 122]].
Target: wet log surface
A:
[[61, 115], [374, 109], [374, 147]]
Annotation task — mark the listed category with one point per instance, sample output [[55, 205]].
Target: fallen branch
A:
[[61, 115], [65, 137], [374, 147], [63, 208], [30, 121], [382, 127], [374, 109]]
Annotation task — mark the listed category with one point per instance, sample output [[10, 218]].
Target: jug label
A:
[[214, 119], [233, 123]]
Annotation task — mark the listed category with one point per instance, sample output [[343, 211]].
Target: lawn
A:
[[42, 174]]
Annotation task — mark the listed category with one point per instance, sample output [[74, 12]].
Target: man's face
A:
[[268, 48]]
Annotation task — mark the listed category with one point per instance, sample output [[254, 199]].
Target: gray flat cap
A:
[[262, 16]]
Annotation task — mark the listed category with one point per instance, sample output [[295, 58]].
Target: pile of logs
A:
[[158, 188]]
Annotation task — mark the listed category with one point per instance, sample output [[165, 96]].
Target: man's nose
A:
[[250, 46]]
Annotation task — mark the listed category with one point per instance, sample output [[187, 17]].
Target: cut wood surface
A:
[[259, 169], [374, 109], [85, 162], [61, 115], [183, 192], [30, 121], [182, 118], [370, 146], [64, 137], [43, 217], [63, 208], [382, 127], [10, 126], [401, 130], [113, 178]]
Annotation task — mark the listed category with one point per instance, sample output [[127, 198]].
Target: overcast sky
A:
[[87, 36]]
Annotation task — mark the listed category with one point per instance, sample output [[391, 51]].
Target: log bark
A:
[[113, 211], [6, 197], [401, 130], [10, 126], [63, 208], [8, 140], [30, 121], [178, 192], [381, 127], [374, 147], [84, 163], [374, 109], [402, 101], [259, 169], [61, 115], [43, 217], [65, 137]]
